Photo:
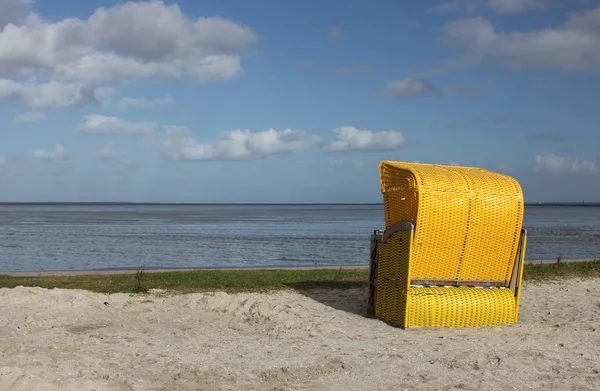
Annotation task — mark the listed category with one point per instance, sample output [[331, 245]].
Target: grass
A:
[[256, 280], [550, 271], [198, 280]]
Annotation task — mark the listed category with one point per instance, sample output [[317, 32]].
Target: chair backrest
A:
[[467, 220]]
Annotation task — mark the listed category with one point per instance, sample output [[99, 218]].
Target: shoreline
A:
[[67, 273], [61, 273], [167, 203]]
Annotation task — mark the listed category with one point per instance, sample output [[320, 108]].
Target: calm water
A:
[[82, 237]]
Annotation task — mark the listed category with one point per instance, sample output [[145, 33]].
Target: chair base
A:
[[421, 302], [451, 307]]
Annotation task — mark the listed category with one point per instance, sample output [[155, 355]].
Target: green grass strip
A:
[[256, 279], [552, 271], [199, 280]]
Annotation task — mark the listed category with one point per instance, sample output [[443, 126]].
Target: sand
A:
[[307, 340]]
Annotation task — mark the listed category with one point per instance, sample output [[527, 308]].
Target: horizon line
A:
[[530, 203]]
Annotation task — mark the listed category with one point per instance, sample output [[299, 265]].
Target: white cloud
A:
[[181, 143], [58, 153], [103, 93], [48, 95], [497, 6], [348, 138], [555, 164], [68, 59], [474, 32], [100, 124], [107, 152], [453, 163], [456, 5], [410, 86], [346, 163], [12, 10], [29, 117], [134, 40], [575, 46], [144, 103], [407, 87], [336, 32], [515, 6]]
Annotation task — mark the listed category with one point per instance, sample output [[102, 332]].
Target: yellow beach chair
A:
[[453, 249]]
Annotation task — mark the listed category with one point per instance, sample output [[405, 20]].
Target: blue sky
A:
[[293, 101]]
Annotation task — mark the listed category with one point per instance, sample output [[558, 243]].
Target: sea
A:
[[75, 237]]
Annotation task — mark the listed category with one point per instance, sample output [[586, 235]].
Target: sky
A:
[[293, 101]]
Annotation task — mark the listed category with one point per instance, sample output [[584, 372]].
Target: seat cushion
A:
[[460, 307]]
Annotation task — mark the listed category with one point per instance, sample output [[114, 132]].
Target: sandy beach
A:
[[290, 340]]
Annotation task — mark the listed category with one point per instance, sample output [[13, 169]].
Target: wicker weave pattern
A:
[[460, 307], [392, 278], [467, 220]]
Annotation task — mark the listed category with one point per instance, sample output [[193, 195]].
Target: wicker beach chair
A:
[[453, 249]]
